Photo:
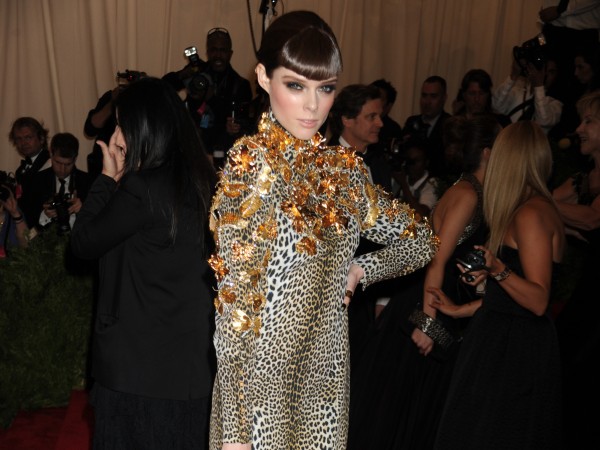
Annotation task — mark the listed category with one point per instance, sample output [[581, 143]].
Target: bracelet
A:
[[502, 275], [432, 328]]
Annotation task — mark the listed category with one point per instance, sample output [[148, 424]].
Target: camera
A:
[[473, 261], [8, 185], [61, 203], [394, 150], [129, 76], [416, 129], [200, 82], [199, 85], [531, 51]]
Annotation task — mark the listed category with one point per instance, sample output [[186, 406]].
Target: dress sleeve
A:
[[409, 242], [243, 228]]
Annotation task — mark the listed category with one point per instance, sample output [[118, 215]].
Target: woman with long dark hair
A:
[[146, 219]]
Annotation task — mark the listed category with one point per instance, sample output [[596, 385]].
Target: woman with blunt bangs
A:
[[287, 218], [505, 391]]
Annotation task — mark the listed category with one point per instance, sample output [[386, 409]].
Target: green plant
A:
[[45, 318]]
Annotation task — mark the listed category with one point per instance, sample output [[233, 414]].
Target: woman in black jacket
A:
[[146, 219]]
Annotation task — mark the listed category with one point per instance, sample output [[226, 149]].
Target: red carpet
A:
[[67, 428], [75, 433]]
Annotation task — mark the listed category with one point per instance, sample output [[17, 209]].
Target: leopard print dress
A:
[[287, 218]]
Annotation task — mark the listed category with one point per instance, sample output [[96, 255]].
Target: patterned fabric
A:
[[287, 218]]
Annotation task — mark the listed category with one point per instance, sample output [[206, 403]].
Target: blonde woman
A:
[[505, 388]]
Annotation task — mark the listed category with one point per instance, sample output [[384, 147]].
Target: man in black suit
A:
[[355, 121], [56, 194], [30, 139], [428, 125]]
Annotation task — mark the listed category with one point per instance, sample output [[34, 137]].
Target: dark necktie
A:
[[61, 191]]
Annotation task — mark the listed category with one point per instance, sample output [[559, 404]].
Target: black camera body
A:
[[61, 204], [129, 76], [395, 153], [8, 185], [199, 85], [473, 261], [200, 82], [531, 51], [416, 128]]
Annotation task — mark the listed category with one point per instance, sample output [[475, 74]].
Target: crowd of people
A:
[[300, 270]]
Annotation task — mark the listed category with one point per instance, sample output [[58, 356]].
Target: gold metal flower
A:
[[242, 251], [218, 266]]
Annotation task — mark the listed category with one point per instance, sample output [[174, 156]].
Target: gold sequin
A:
[[243, 323], [256, 301], [307, 245], [218, 266], [233, 220], [233, 190], [227, 296], [251, 276], [242, 251], [250, 205], [265, 180], [266, 230], [242, 161]]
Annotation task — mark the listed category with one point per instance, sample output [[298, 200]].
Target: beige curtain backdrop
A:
[[59, 56]]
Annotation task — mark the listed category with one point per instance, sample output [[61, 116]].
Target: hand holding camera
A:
[[57, 209], [531, 52], [471, 263]]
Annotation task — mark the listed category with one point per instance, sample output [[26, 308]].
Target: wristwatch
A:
[[502, 275]]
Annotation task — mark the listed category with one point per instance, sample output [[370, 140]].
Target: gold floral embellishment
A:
[[242, 322], [242, 160], [242, 251], [218, 266]]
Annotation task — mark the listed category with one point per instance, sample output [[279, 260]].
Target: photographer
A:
[[14, 231], [101, 121], [523, 95], [228, 94], [59, 191]]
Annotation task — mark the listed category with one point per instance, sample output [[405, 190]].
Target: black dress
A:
[[505, 389], [396, 394], [579, 339]]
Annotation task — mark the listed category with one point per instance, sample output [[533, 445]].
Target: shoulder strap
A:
[[521, 106]]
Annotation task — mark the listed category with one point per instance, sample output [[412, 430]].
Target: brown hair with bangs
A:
[[302, 42]]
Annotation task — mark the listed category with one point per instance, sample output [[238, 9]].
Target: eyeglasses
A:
[[217, 30]]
